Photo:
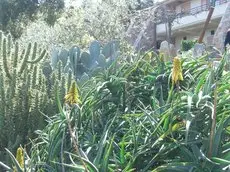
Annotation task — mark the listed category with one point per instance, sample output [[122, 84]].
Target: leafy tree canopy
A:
[[16, 13]]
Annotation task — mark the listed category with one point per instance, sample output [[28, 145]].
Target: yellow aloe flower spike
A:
[[20, 157], [72, 97], [177, 71]]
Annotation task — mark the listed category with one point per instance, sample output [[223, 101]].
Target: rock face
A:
[[219, 37]]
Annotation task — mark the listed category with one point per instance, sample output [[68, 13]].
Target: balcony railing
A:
[[199, 9], [192, 11]]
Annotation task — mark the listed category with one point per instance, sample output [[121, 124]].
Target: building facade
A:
[[190, 16]]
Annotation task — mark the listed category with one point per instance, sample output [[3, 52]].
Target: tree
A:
[[51, 9], [15, 14]]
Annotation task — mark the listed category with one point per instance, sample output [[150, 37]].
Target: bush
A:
[[187, 45]]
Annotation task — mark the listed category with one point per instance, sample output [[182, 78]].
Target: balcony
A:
[[199, 9], [191, 20]]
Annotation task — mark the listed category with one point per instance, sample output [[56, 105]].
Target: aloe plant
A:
[[133, 118]]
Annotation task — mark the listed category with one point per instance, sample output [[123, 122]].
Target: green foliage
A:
[[132, 118], [124, 102], [15, 14], [85, 64], [25, 94], [104, 21], [18, 80], [52, 10], [187, 44], [14, 11]]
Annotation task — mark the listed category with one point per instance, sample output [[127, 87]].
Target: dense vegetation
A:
[[138, 114], [98, 106]]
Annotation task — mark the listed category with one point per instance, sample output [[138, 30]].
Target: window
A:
[[212, 32]]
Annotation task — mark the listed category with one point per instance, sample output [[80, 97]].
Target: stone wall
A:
[[219, 37]]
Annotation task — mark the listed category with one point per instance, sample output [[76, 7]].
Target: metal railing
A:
[[191, 11], [199, 9], [221, 2]]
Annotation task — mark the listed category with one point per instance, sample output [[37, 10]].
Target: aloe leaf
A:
[[6, 167], [102, 143], [79, 168], [106, 157], [218, 136], [189, 117], [122, 151], [87, 162], [175, 167], [220, 161]]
